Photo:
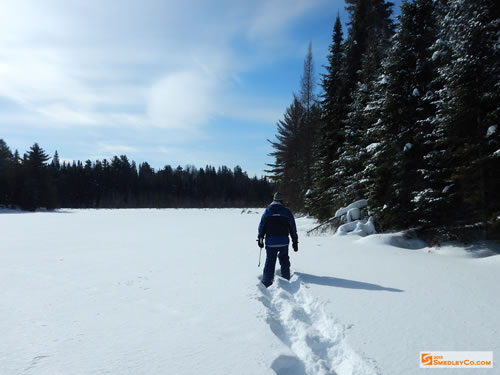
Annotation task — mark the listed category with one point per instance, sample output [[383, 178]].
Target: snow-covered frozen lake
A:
[[177, 292]]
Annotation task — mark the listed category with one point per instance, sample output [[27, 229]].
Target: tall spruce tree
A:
[[285, 172], [403, 111], [331, 136], [55, 163], [310, 124], [466, 181], [38, 189], [6, 174], [307, 82], [371, 29], [295, 139]]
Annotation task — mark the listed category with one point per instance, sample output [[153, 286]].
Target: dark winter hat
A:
[[278, 197]]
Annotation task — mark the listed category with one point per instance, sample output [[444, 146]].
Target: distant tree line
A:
[[38, 181], [408, 118]]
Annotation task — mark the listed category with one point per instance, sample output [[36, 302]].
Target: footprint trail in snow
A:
[[315, 339]]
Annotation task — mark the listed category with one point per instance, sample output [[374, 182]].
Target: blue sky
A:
[[163, 81]]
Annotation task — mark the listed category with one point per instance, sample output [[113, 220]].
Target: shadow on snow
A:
[[8, 211], [342, 283]]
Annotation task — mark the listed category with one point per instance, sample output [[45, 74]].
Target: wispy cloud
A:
[[181, 100], [115, 148], [127, 63], [273, 16]]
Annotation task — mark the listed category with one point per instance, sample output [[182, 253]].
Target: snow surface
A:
[[178, 292], [362, 203], [354, 223], [372, 147], [491, 130], [353, 214], [361, 227], [447, 188]]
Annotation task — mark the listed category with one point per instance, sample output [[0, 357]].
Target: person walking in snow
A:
[[276, 224]]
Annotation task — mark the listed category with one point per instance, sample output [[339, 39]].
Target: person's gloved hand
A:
[[295, 246], [260, 242]]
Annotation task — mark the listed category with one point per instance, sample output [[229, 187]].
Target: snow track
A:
[[316, 340]]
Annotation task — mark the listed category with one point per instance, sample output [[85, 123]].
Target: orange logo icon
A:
[[426, 359]]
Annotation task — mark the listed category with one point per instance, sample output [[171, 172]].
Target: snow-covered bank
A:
[[177, 291], [401, 301]]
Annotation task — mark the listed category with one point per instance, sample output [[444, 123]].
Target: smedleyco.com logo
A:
[[426, 359], [456, 359]]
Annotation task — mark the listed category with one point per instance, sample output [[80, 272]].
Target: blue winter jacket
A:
[[276, 224]]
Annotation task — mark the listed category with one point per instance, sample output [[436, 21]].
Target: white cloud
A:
[[131, 63], [108, 148], [273, 16], [182, 99], [45, 82]]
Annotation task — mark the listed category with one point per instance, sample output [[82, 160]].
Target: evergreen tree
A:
[[6, 174], [371, 29], [465, 182], [18, 180], [331, 136], [55, 174], [38, 190], [285, 171], [403, 127], [294, 145], [310, 125], [307, 82], [36, 158], [55, 161]]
